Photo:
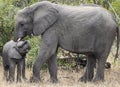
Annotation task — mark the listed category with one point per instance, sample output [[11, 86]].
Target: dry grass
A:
[[68, 78]]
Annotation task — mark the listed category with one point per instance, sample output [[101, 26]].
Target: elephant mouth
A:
[[20, 38], [27, 50]]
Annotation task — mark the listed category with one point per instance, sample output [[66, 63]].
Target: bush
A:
[[35, 45], [7, 13]]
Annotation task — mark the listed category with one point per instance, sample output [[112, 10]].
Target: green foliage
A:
[[66, 62], [35, 45], [116, 5], [7, 12]]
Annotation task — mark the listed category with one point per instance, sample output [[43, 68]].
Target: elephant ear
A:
[[44, 18], [14, 53]]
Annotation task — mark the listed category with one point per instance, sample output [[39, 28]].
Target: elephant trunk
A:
[[18, 35], [15, 36], [16, 39]]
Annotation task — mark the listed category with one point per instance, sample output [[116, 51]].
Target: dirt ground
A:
[[67, 78]]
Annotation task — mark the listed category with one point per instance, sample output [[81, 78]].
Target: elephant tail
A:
[[117, 44]]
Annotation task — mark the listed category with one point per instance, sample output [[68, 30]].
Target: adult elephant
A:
[[88, 30]]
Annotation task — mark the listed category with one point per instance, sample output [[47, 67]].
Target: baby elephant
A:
[[14, 53]]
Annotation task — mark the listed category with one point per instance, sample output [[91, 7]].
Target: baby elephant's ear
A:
[[14, 53]]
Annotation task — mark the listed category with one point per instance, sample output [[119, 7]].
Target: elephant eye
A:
[[21, 24]]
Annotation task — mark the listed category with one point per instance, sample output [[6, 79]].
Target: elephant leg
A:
[[38, 64], [5, 74], [102, 56], [100, 69], [89, 73], [11, 70], [6, 69], [52, 66], [48, 48], [23, 69], [19, 71], [46, 51]]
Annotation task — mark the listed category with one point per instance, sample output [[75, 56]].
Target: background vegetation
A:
[[9, 8]]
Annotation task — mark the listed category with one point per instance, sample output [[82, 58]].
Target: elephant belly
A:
[[78, 44]]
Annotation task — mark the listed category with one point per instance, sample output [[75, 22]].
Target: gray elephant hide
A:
[[10, 51]]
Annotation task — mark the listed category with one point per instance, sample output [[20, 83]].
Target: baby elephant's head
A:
[[23, 47]]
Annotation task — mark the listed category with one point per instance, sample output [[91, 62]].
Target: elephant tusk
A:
[[31, 34], [18, 39]]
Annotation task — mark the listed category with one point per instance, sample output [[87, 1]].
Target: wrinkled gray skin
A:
[[88, 30], [15, 53]]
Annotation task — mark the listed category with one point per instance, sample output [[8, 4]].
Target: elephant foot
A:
[[98, 79], [10, 80], [53, 80], [34, 79], [19, 80], [85, 79], [24, 78]]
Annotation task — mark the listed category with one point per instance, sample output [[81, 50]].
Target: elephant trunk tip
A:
[[17, 39]]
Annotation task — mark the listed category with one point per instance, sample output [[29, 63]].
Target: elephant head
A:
[[35, 19], [23, 47], [16, 50]]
